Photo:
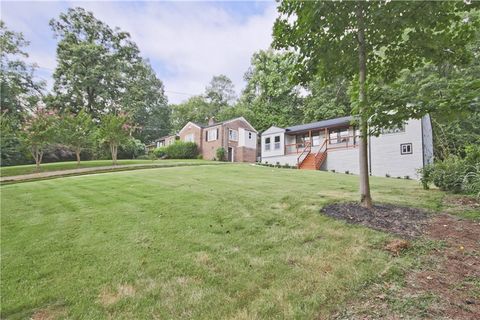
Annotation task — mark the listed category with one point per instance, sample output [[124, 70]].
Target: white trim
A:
[[189, 123], [243, 119]]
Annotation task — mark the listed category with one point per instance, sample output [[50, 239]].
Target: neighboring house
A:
[[162, 142], [236, 136], [333, 145]]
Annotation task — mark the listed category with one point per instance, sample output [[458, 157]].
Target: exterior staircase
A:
[[312, 161], [308, 163]]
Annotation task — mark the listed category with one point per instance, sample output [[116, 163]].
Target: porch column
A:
[[310, 137]]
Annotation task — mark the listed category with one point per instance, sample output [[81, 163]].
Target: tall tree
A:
[[220, 92], [270, 94], [367, 41], [20, 91], [100, 69]]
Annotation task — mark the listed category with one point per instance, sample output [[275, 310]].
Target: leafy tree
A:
[[195, 109], [327, 100], [270, 94], [19, 89], [382, 38], [38, 132], [114, 131], [146, 102], [77, 132], [220, 93], [10, 146]]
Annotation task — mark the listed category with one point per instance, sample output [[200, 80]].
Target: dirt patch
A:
[[456, 276], [108, 297], [402, 221], [50, 313], [445, 285]]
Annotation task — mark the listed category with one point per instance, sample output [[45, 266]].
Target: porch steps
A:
[[309, 162]]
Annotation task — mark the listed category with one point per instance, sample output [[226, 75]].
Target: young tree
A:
[[39, 130], [371, 40], [77, 132], [114, 130]]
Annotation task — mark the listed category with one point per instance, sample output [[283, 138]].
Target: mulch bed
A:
[[454, 272], [403, 221]]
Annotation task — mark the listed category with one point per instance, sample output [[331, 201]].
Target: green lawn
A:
[[58, 166], [205, 242]]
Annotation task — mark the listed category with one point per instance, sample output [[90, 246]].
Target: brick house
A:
[[236, 136]]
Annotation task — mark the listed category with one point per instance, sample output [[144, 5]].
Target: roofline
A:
[[243, 119], [189, 122]]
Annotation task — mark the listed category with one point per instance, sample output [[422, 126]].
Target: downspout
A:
[[370, 155]]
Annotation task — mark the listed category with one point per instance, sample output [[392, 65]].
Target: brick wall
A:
[[197, 132], [209, 148], [244, 154]]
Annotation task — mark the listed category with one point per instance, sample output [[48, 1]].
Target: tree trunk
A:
[[365, 198], [113, 150], [37, 156], [77, 153]]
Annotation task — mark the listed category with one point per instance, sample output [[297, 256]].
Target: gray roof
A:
[[321, 124]]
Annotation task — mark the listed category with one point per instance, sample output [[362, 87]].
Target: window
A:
[[338, 136], [267, 144], [277, 142], [249, 135], [406, 148], [232, 135], [190, 137], [396, 129], [212, 135]]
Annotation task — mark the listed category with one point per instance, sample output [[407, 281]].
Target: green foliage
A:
[[181, 150], [77, 131], [160, 152], [11, 150], [217, 102], [131, 149], [19, 89], [114, 131], [100, 69], [220, 154], [270, 95], [455, 174], [38, 132]]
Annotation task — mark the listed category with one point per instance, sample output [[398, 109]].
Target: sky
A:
[[187, 43]]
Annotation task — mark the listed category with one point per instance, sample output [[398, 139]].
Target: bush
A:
[[220, 154], [181, 150], [160, 152], [455, 174]]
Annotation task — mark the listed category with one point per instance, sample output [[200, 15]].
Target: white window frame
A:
[[212, 134], [406, 148], [190, 137], [232, 135], [267, 144], [276, 145]]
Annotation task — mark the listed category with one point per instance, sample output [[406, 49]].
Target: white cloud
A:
[[187, 43]]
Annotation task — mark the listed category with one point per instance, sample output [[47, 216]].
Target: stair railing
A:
[[320, 155], [306, 151]]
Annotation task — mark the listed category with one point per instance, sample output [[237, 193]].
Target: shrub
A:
[[199, 157], [181, 150], [160, 152], [220, 154], [387, 175]]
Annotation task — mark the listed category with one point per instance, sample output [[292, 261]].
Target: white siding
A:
[[273, 152], [247, 138], [283, 160], [386, 157], [342, 160]]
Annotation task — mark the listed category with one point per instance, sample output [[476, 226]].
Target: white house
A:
[[333, 145]]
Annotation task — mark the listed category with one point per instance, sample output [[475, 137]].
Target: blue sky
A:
[[186, 42]]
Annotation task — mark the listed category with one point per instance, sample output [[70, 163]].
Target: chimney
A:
[[211, 121]]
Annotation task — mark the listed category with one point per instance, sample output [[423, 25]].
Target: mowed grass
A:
[[205, 242], [68, 165]]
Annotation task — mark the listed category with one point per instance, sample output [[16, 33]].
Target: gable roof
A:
[[190, 123], [321, 124], [273, 129], [250, 127]]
